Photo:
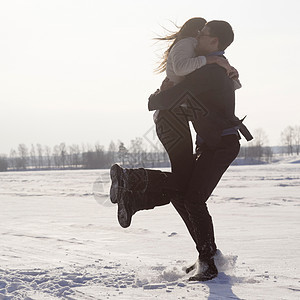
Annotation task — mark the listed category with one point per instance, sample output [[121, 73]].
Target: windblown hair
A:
[[189, 29], [223, 31]]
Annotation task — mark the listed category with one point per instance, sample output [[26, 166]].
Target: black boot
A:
[[207, 271], [139, 189], [126, 179], [137, 180], [129, 202]]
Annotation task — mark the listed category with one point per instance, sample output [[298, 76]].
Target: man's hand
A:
[[166, 84]]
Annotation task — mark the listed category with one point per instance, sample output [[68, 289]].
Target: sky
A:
[[81, 71]]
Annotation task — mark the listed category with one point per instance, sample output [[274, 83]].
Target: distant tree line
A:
[[257, 151], [38, 157], [136, 154]]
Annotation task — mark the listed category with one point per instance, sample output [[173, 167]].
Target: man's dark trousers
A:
[[195, 177], [209, 168]]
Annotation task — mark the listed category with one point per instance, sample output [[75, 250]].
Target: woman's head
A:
[[189, 29]]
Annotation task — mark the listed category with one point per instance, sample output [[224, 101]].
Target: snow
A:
[[60, 239]]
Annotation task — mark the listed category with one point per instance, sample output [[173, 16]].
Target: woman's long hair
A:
[[189, 29]]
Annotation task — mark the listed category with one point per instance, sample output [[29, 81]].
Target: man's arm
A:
[[196, 83]]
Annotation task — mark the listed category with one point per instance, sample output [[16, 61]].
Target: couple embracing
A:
[[199, 88]]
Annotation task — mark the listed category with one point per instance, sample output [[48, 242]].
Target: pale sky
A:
[[81, 71]]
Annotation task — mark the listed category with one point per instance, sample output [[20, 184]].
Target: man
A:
[[206, 97]]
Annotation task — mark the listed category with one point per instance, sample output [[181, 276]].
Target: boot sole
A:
[[203, 277], [115, 174], [208, 274], [124, 214]]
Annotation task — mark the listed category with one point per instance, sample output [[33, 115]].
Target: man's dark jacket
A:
[[210, 98]]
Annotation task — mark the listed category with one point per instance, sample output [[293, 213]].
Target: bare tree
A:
[[297, 139], [89, 147], [23, 156], [287, 138], [100, 159], [33, 160], [74, 152], [137, 153], [63, 154], [48, 156], [95, 158], [3, 163], [13, 159], [40, 155], [83, 148], [56, 156], [112, 150], [256, 147], [268, 154]]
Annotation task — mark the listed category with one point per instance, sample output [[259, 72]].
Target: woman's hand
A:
[[233, 73], [223, 62], [166, 84]]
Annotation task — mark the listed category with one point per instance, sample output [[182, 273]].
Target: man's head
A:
[[215, 36]]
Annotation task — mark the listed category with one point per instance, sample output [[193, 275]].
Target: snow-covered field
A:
[[59, 241]]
